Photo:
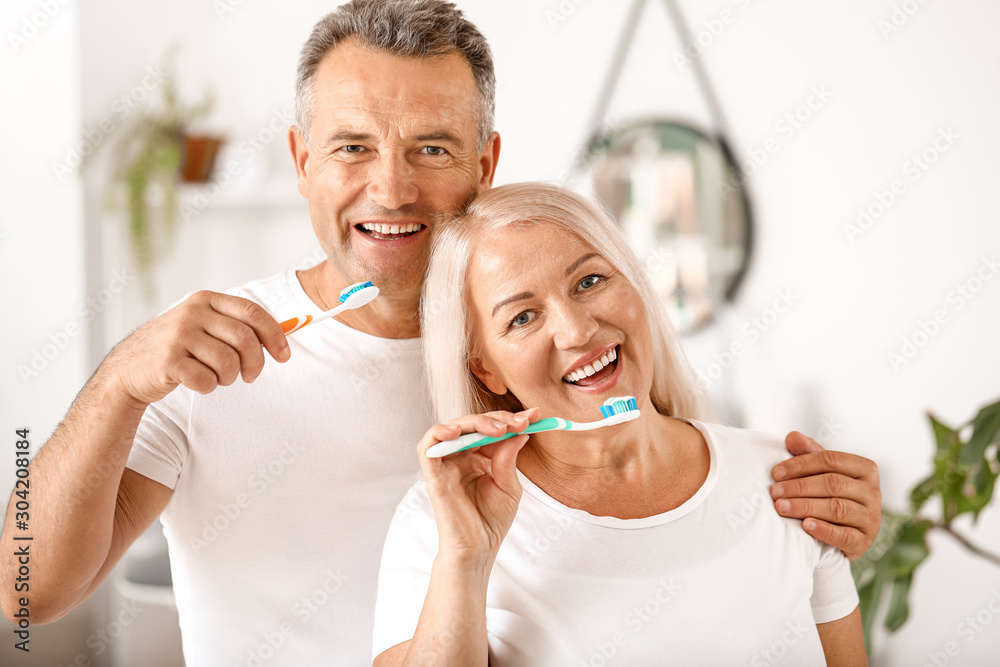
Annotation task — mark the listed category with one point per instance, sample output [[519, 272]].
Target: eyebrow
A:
[[575, 265], [352, 135], [516, 297], [527, 295], [442, 136], [346, 135]]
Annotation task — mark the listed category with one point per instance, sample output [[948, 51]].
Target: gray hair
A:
[[415, 28], [446, 327]]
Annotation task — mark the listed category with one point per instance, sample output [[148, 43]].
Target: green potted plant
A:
[[150, 159], [966, 464]]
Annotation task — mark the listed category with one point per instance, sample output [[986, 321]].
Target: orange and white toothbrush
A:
[[354, 296]]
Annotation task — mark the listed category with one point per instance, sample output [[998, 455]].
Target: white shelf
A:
[[277, 195]]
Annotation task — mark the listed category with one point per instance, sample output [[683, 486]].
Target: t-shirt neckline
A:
[[685, 508], [310, 307]]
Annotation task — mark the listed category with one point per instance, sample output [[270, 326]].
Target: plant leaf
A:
[[899, 603], [869, 597], [985, 427], [910, 549], [944, 436], [922, 492]]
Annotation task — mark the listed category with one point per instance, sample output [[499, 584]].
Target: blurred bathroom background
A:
[[861, 276]]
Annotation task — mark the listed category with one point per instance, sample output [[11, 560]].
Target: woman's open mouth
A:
[[389, 232], [595, 372]]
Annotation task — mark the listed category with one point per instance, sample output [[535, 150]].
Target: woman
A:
[[646, 543]]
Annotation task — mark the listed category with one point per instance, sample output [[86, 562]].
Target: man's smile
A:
[[391, 231]]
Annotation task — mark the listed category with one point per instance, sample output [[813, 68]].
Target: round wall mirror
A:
[[679, 198]]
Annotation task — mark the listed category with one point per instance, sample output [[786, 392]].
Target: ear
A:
[[300, 154], [488, 161], [487, 377]]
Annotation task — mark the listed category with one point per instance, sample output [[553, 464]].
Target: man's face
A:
[[393, 142]]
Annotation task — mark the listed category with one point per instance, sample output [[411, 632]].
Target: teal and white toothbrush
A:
[[615, 410]]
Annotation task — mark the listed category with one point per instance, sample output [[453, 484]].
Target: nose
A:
[[572, 325], [391, 183]]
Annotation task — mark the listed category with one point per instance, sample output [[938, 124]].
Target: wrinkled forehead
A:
[[529, 257], [370, 86]]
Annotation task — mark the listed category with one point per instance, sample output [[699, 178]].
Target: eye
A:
[[353, 148], [434, 150], [589, 281], [522, 319]]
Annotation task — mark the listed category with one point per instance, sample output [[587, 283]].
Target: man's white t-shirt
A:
[[284, 489], [720, 580]]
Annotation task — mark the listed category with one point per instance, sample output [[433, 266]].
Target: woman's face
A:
[[544, 307]]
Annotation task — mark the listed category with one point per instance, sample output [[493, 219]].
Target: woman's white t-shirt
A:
[[720, 580]]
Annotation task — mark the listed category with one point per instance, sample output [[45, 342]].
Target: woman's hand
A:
[[475, 493]]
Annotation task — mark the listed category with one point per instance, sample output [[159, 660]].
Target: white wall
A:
[[42, 266], [823, 362]]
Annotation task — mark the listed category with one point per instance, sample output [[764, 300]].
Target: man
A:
[[276, 491]]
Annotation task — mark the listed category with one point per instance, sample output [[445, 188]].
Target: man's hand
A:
[[208, 340], [836, 494]]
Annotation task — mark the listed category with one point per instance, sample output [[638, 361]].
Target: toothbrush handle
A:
[[473, 440], [296, 323]]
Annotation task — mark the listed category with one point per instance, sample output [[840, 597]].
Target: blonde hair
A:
[[445, 324]]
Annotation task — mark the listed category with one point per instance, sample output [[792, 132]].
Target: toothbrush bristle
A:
[[346, 293], [616, 406]]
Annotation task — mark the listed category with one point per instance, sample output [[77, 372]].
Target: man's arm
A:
[[837, 494], [86, 507]]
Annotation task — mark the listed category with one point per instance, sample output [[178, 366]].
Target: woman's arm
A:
[[844, 641], [475, 496], [452, 627]]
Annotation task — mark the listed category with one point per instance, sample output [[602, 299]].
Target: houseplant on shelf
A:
[[966, 463], [149, 160]]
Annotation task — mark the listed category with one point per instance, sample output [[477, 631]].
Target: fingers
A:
[[824, 461], [210, 363], [832, 510], [503, 460], [195, 375], [265, 328], [797, 443], [851, 541], [239, 338], [224, 333], [493, 424], [825, 485]]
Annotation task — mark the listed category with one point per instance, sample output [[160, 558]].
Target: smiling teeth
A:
[[591, 368], [391, 229]]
